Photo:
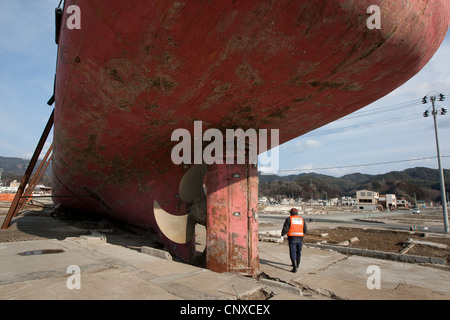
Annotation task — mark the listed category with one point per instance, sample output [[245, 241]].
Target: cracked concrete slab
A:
[[274, 261], [107, 271], [338, 276], [115, 271]]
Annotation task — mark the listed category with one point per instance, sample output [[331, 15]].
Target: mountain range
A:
[[14, 169], [420, 182]]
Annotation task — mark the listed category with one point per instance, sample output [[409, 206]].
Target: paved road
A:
[[372, 219]]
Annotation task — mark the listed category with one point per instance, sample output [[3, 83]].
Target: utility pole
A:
[[441, 170]]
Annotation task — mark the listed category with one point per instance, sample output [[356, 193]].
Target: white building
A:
[[348, 201], [388, 201], [263, 200], [333, 201]]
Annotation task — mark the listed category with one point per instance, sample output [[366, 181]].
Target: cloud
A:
[[433, 77], [29, 155], [389, 129], [299, 146]]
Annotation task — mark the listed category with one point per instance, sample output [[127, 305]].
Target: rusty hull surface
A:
[[232, 224], [138, 70]]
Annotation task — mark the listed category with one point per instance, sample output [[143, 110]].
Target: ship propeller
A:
[[192, 193], [181, 229]]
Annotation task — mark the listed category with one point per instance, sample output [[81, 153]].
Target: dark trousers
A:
[[295, 248]]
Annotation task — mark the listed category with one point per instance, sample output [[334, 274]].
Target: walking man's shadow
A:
[[278, 265]]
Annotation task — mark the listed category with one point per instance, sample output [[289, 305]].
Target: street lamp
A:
[[441, 171]]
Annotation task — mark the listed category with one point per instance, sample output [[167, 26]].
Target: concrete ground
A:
[[326, 274], [106, 271], [37, 261], [46, 258]]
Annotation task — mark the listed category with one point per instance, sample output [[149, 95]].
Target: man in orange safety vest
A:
[[295, 229]]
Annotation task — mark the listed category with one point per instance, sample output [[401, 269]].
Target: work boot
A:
[[294, 265], [298, 262]]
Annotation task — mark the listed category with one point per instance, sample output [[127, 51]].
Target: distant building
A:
[[333, 201], [263, 200], [423, 203], [388, 201], [402, 203], [14, 184], [348, 201], [13, 187], [40, 189], [367, 199]]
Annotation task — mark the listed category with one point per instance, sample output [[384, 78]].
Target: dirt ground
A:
[[377, 238], [381, 240]]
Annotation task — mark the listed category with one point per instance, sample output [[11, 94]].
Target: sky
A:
[[391, 130]]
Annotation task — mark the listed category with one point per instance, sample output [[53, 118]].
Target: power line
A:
[[373, 124], [366, 125], [363, 113], [396, 106], [356, 165]]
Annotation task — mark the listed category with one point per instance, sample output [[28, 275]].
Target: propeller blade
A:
[[179, 229], [191, 185]]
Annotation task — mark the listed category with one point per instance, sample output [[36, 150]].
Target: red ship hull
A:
[[138, 70]]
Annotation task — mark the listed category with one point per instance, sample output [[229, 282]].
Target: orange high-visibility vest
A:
[[296, 229]]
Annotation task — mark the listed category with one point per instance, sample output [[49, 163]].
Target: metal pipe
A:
[[14, 205], [37, 176]]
